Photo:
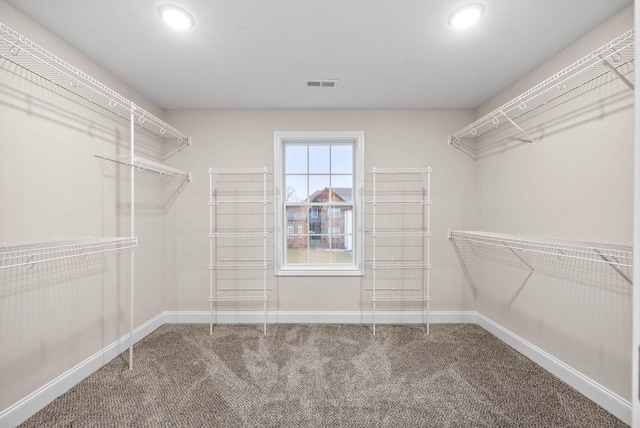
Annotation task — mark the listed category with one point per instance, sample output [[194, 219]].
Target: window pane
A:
[[295, 188], [340, 221], [296, 159], [347, 228], [321, 251], [296, 218], [342, 188], [319, 159], [298, 250], [341, 160], [317, 220], [318, 188], [341, 256]]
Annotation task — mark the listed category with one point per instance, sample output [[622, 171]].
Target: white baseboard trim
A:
[[28, 406], [597, 393], [31, 404], [315, 317]]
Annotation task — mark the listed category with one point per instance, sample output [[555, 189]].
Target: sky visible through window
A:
[[310, 168]]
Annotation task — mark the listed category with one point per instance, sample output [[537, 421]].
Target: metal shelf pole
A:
[[264, 244], [374, 237], [133, 234]]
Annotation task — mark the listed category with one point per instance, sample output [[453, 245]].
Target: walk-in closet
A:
[[319, 214]]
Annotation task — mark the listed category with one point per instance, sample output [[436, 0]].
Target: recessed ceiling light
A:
[[176, 17], [466, 16]]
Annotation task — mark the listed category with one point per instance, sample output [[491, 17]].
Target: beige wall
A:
[[224, 139], [575, 183], [57, 314]]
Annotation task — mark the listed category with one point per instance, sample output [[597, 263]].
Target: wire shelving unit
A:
[[28, 255], [399, 236], [618, 257], [19, 52], [141, 164], [519, 118], [240, 237]]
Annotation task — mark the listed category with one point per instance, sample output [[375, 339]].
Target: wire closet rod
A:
[[613, 61], [147, 165], [33, 57], [615, 256], [30, 254], [553, 81], [559, 248]]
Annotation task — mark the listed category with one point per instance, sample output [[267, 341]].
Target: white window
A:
[[290, 229], [319, 180]]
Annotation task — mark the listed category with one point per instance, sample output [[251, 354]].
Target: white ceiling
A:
[[255, 54]]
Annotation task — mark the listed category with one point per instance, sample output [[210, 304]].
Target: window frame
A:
[[356, 140]]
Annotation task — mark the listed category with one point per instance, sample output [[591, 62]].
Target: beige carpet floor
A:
[[323, 375]]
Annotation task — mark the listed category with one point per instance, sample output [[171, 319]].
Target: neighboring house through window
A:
[[319, 179]]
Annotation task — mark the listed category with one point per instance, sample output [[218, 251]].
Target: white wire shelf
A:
[[613, 61], [240, 264], [398, 230], [618, 257], [240, 228], [147, 165], [238, 171], [400, 264], [240, 294], [394, 171], [241, 234], [398, 233], [261, 202], [400, 202], [390, 294], [29, 255], [20, 50]]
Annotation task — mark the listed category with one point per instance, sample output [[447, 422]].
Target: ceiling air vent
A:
[[324, 83]]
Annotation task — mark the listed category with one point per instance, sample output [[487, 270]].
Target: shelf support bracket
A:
[[615, 265], [532, 271], [527, 136], [519, 257], [458, 144], [617, 73], [466, 272], [517, 293]]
